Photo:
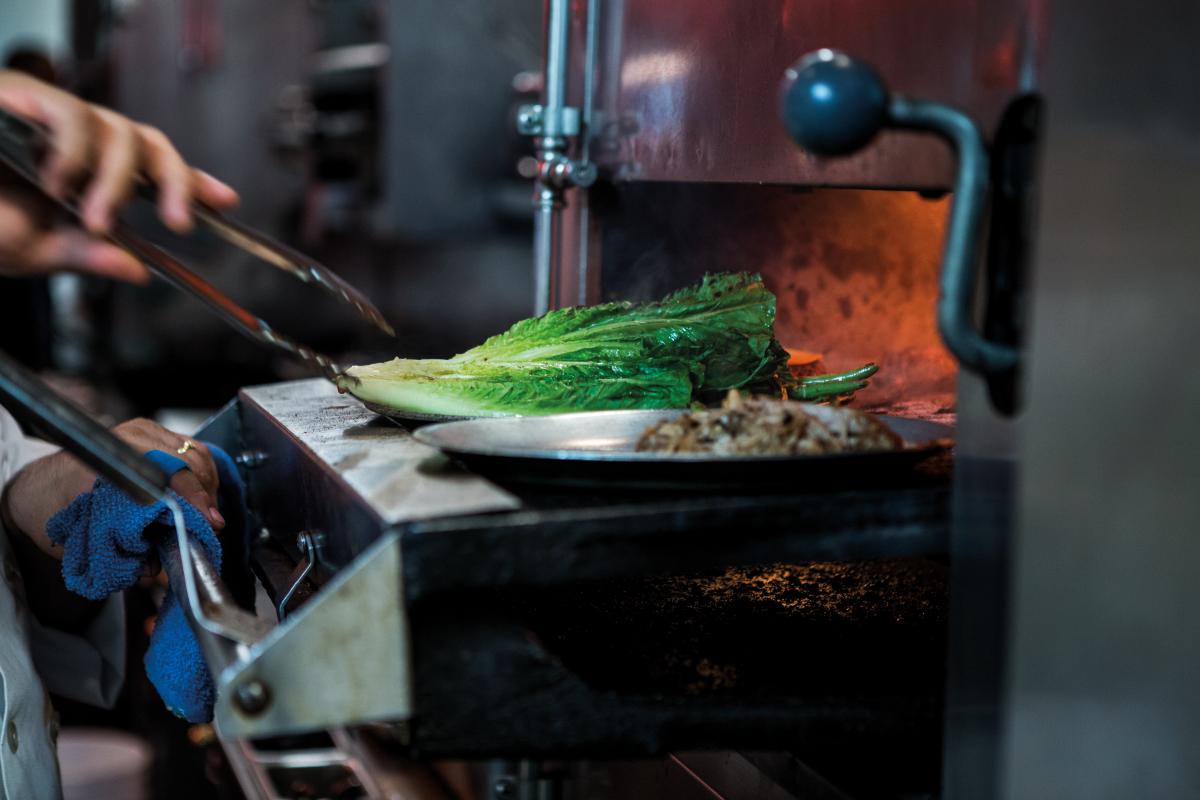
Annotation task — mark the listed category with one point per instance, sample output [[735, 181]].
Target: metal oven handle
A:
[[833, 105]]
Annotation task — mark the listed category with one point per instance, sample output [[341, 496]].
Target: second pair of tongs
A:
[[22, 145]]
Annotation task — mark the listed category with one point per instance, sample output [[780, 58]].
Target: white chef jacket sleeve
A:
[[88, 666]]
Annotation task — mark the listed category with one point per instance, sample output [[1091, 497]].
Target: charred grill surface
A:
[[855, 629], [842, 663]]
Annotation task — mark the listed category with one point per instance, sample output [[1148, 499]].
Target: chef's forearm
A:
[[33, 496], [27, 503]]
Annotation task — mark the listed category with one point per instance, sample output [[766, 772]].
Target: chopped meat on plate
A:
[[769, 426]]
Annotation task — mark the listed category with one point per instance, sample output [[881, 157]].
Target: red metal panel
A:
[[687, 91]]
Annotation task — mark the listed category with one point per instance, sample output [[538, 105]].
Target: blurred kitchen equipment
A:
[[103, 763]]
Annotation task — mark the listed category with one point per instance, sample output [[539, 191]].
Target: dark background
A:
[[398, 169]]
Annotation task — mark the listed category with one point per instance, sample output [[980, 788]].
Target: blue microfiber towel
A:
[[103, 535]]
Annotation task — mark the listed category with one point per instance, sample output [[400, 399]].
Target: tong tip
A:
[[373, 314]]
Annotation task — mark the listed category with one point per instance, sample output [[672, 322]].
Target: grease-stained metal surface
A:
[[398, 478], [330, 465], [692, 95]]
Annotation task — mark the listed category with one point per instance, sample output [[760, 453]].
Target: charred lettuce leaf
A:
[[696, 343]]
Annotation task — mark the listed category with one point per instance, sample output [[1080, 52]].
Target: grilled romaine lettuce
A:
[[691, 346]]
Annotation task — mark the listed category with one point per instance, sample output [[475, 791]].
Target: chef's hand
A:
[[99, 153], [46, 486]]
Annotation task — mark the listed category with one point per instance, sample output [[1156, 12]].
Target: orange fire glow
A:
[[801, 358], [856, 279]]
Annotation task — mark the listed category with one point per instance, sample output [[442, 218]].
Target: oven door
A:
[[1104, 697]]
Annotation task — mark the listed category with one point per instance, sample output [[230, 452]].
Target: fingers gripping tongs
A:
[[21, 147]]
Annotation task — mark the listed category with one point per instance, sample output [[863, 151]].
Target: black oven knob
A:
[[831, 104]]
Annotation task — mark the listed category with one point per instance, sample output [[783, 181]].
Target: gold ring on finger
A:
[[188, 444]]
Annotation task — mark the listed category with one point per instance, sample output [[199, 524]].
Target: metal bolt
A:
[[504, 788], [313, 541], [253, 697], [585, 173], [530, 120], [250, 458]]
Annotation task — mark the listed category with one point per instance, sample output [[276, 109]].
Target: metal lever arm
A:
[[833, 105]]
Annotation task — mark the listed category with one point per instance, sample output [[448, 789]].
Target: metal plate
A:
[[412, 418], [597, 450]]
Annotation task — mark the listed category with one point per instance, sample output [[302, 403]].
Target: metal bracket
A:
[[349, 674], [311, 545], [559, 172]]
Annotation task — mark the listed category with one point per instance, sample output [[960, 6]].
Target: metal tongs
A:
[[22, 145], [220, 626]]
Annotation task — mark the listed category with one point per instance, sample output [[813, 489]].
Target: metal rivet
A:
[[253, 697], [11, 736], [250, 459]]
